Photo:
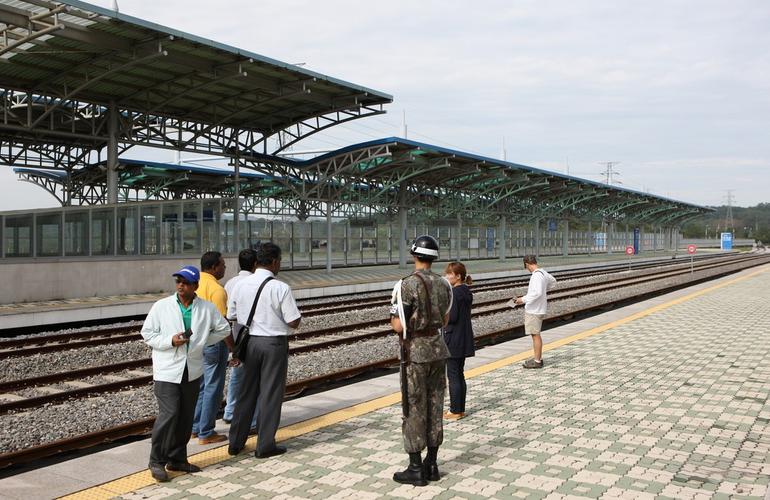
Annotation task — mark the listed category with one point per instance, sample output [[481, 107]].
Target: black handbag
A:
[[242, 331]]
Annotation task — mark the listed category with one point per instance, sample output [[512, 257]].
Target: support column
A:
[[402, 227], [609, 237], [328, 237], [565, 239], [459, 238], [237, 206], [402, 237], [112, 154], [655, 240], [501, 238], [537, 238], [590, 238]]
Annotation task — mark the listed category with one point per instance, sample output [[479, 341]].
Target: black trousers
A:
[[176, 409], [263, 383], [455, 372]]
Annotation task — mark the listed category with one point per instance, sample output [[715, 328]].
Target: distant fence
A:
[[713, 242]]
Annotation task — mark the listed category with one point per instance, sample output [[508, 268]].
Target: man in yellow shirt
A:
[[214, 356]]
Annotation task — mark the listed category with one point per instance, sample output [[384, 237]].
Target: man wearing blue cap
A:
[[177, 328]]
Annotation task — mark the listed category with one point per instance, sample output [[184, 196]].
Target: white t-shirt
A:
[[275, 309], [536, 299]]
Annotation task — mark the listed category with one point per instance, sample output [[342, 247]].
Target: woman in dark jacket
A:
[[458, 336]]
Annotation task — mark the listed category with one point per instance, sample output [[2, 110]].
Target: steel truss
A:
[[378, 181]]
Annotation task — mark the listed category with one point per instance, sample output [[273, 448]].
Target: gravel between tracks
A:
[[37, 365], [28, 428]]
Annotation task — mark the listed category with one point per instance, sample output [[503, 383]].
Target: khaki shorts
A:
[[533, 323]]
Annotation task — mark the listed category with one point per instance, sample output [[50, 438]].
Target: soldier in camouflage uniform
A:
[[422, 301]]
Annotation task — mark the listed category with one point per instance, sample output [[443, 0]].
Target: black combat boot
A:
[[429, 466], [413, 474]]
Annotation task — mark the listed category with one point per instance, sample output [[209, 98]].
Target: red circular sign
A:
[[629, 250], [691, 248]]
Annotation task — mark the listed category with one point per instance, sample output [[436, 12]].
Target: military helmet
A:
[[425, 247]]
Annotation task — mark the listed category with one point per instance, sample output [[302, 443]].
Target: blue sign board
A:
[[600, 240], [552, 225], [727, 241], [490, 239], [637, 232]]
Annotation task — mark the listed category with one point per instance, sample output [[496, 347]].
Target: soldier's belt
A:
[[430, 332]]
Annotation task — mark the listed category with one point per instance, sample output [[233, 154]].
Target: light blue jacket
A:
[[164, 321]]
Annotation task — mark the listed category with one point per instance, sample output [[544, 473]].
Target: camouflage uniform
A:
[[426, 372]]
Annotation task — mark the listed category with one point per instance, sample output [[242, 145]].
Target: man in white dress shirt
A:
[[267, 354], [535, 303], [177, 329], [247, 260]]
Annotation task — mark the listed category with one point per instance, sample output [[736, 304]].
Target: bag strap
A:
[[428, 289], [256, 299]]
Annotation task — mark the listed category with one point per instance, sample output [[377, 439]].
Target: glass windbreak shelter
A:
[[191, 227]]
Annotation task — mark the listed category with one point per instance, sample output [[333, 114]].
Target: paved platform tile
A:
[[672, 405]]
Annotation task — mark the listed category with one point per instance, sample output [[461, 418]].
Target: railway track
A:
[[299, 343], [29, 346], [483, 308], [324, 306]]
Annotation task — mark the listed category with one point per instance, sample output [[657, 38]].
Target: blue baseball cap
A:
[[190, 273]]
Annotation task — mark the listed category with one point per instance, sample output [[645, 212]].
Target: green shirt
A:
[[186, 313]]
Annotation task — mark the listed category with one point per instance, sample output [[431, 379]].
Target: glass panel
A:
[[48, 235], [301, 244], [382, 242], [101, 232], [76, 233], [255, 231], [369, 245], [282, 238], [127, 230], [226, 227], [318, 243], [18, 236], [170, 230], [209, 226], [191, 228], [149, 230]]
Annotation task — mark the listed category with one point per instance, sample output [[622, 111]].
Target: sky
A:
[[676, 92]]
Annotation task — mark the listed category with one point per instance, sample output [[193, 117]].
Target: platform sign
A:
[[637, 234], [491, 240], [727, 241], [552, 225], [629, 252], [691, 250]]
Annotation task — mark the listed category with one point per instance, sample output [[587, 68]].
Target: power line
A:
[[729, 222], [609, 172]]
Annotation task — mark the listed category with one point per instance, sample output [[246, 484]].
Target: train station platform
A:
[[305, 284], [666, 398]]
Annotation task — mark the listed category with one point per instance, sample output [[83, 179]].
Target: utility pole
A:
[[609, 172], [502, 151], [729, 222]]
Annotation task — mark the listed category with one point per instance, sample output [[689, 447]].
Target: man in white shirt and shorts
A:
[[535, 303]]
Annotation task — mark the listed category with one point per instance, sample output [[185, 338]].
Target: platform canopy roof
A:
[[377, 178], [64, 65]]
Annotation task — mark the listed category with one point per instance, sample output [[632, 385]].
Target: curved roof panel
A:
[[387, 173], [71, 50]]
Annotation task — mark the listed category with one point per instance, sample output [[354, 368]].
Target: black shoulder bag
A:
[[242, 331]]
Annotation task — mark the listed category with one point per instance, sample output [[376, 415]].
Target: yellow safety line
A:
[[143, 479]]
